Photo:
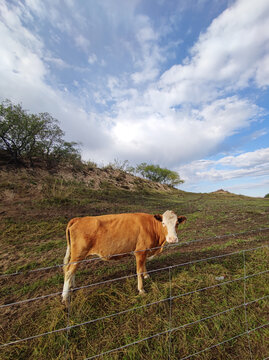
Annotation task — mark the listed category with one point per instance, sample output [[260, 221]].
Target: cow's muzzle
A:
[[172, 240]]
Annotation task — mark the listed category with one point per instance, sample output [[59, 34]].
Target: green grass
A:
[[33, 235], [103, 335]]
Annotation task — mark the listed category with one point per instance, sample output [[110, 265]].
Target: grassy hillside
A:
[[35, 209]]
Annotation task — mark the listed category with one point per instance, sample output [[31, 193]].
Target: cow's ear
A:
[[158, 217], [181, 219]]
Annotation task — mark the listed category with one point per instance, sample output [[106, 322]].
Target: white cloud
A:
[[232, 52], [150, 54], [20, 52], [247, 160], [145, 75], [243, 187], [82, 42], [92, 59], [36, 6], [189, 113], [23, 79], [56, 61], [259, 133], [178, 136], [262, 75], [255, 163]]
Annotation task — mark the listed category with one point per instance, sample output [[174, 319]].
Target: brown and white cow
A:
[[110, 235]]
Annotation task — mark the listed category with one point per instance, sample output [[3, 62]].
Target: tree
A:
[[52, 147], [18, 131], [158, 174], [27, 136]]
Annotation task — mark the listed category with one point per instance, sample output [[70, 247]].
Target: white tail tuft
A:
[[67, 255]]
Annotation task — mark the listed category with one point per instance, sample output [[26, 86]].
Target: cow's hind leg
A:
[[69, 276], [140, 265]]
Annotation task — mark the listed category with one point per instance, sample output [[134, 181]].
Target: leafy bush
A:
[[158, 174], [267, 196], [27, 137]]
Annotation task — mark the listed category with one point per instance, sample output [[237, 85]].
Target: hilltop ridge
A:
[[33, 192]]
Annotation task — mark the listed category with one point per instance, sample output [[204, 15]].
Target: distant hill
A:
[[221, 191]]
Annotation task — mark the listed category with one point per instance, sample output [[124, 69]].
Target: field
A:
[[35, 209]]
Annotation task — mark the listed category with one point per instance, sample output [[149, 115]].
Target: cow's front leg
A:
[[145, 273], [140, 264]]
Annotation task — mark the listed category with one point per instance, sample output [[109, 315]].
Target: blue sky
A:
[[182, 84]]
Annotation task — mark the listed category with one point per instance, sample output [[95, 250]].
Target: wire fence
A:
[[179, 244], [169, 300]]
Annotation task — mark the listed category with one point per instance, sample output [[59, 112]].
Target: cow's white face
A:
[[170, 221]]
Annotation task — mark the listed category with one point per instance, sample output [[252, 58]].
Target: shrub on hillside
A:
[[158, 174]]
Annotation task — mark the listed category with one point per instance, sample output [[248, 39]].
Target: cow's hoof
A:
[[65, 303], [142, 292]]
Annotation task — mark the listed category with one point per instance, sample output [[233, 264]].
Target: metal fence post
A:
[[245, 304], [170, 311]]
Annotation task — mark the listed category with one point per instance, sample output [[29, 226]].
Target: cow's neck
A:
[[162, 232]]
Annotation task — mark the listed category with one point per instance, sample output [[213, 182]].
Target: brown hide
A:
[[109, 235]]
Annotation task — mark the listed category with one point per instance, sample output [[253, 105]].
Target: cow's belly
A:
[[108, 248]]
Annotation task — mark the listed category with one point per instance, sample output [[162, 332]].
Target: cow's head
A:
[[170, 221]]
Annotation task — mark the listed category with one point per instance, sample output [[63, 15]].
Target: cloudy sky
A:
[[179, 83]]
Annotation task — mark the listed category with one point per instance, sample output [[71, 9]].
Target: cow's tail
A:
[[68, 249]]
